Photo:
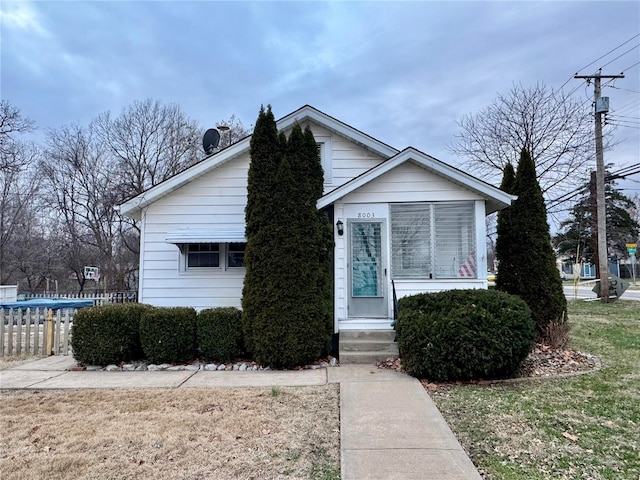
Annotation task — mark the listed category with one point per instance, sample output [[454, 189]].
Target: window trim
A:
[[326, 160], [223, 258]]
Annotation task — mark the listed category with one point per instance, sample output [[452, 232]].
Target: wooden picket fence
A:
[[35, 331]]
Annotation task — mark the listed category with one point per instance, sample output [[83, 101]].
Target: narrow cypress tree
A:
[[325, 246], [265, 152], [533, 276], [284, 298], [506, 241]]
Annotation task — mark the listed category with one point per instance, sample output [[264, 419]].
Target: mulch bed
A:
[[543, 362]]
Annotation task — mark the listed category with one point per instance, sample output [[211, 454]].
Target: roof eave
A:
[[495, 198], [133, 207]]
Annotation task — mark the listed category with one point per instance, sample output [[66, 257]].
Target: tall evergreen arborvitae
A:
[[265, 152], [325, 237], [284, 298], [530, 268], [506, 241]]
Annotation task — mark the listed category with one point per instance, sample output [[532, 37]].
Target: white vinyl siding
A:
[[216, 201], [433, 240], [342, 157]]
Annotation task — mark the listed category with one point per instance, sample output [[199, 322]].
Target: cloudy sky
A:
[[403, 72]]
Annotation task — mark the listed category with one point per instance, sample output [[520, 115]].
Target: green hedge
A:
[[464, 334], [108, 334], [219, 334], [168, 335]]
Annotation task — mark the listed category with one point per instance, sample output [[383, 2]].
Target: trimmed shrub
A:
[[219, 334], [108, 334], [168, 335], [464, 334]]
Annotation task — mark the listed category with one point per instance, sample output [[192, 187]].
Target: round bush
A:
[[464, 334], [108, 334], [168, 335], [219, 334]]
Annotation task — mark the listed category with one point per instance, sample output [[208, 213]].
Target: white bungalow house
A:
[[400, 216]]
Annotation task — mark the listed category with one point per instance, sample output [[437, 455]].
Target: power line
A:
[[628, 108], [600, 58], [610, 51], [625, 89], [621, 55], [622, 173], [624, 126], [629, 68], [625, 116], [614, 118]]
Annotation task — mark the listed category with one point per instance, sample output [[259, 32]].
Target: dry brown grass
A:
[[248, 433]]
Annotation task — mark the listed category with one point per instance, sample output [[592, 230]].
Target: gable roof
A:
[[496, 199], [134, 206]]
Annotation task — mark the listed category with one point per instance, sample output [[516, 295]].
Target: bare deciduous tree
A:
[[80, 191], [233, 132], [148, 143], [86, 172], [11, 123], [554, 127], [19, 182]]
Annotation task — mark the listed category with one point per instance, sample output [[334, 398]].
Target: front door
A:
[[367, 295]]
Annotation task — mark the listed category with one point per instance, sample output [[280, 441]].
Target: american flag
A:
[[468, 268]]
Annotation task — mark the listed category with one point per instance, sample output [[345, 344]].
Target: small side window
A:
[[324, 147], [235, 255], [203, 255]]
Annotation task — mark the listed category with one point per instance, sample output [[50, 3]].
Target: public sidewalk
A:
[[390, 427]]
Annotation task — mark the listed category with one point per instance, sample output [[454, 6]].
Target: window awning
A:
[[205, 236]]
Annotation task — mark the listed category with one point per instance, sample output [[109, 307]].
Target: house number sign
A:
[[366, 215]]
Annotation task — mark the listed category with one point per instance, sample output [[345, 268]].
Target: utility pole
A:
[[600, 108]]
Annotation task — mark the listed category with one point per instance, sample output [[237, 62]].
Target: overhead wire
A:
[[600, 58], [619, 56], [620, 174], [625, 89], [630, 67]]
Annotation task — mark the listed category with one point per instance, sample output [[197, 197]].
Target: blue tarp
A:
[[54, 303]]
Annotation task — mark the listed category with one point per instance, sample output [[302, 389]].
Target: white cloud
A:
[[20, 15]]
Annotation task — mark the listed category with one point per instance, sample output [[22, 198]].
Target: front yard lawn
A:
[[183, 433], [580, 427]]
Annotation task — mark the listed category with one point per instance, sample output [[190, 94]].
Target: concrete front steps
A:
[[367, 346]]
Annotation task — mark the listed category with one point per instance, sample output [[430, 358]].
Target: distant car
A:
[[491, 276]]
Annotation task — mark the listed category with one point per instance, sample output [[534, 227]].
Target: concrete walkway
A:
[[390, 428]]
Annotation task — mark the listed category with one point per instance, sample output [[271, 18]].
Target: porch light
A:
[[340, 227]]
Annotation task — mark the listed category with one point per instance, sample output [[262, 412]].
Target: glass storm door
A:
[[367, 272]]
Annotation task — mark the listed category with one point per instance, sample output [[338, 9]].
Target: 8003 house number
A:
[[366, 215]]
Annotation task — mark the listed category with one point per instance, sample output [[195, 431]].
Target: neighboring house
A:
[[398, 215]]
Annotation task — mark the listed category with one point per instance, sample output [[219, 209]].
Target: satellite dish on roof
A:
[[210, 140]]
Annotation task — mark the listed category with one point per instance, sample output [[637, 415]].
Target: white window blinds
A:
[[455, 240], [411, 240], [433, 240]]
